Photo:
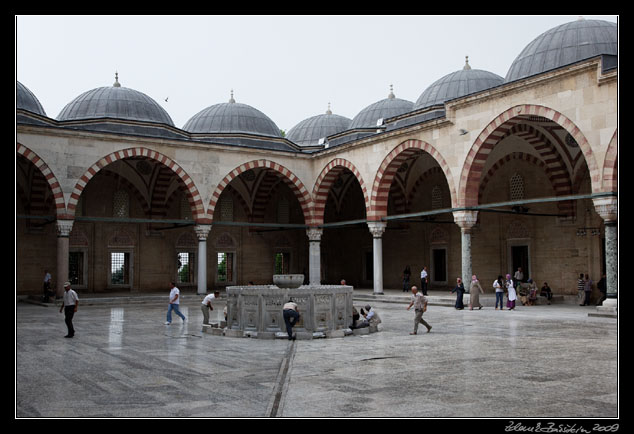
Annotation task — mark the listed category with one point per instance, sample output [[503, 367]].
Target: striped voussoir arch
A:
[[388, 168], [324, 182], [610, 166], [47, 173], [500, 127], [193, 195], [293, 182]]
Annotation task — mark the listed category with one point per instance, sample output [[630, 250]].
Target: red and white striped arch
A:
[[610, 166], [388, 168], [473, 168], [193, 195], [58, 194], [326, 179], [294, 183]]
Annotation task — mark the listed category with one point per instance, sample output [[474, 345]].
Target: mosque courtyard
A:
[[546, 361]]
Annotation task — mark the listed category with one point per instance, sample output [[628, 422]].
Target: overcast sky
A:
[[288, 67]]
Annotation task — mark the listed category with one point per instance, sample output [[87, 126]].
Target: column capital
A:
[[377, 228], [202, 231], [64, 227], [314, 234], [465, 219], [607, 208]]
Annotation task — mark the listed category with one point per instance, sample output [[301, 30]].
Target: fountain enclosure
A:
[[258, 308]]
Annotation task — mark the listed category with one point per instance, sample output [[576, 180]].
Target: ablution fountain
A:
[[256, 310]]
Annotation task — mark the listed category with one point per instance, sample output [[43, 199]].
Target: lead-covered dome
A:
[[457, 84], [26, 100], [309, 131], [115, 102], [232, 117], [386, 108], [564, 45]]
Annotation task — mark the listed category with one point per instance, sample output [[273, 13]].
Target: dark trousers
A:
[[423, 286], [69, 313], [290, 319]]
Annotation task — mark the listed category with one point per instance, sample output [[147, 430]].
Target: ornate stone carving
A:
[[202, 231], [465, 219], [314, 234], [607, 208], [64, 227], [377, 228]]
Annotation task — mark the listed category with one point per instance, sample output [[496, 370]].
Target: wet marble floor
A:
[[536, 362]]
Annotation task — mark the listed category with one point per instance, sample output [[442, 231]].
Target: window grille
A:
[[226, 208], [436, 197], [224, 270], [186, 267], [120, 268], [516, 185], [282, 210], [186, 210], [121, 204]]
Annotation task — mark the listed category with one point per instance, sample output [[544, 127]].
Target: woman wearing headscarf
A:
[[475, 291], [512, 295], [459, 289]]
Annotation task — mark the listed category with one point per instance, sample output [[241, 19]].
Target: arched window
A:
[[436, 197], [516, 187], [186, 210], [121, 204], [226, 208], [283, 210]]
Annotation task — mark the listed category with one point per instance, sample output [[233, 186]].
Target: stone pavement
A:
[[536, 362]]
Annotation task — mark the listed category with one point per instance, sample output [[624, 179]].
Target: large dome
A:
[[563, 45], [309, 131], [457, 84], [26, 100], [232, 117], [115, 102], [386, 108]]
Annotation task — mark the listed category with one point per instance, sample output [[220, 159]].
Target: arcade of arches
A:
[[496, 184]]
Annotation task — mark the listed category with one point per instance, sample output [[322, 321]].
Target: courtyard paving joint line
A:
[[281, 383]]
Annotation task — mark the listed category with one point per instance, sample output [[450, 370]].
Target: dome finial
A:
[[328, 112], [466, 63], [116, 80], [391, 95], [231, 100]]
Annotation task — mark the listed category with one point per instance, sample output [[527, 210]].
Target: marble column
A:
[[202, 231], [64, 227], [377, 229], [466, 220], [314, 255], [607, 208]]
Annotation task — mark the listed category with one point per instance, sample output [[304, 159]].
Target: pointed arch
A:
[[388, 168], [610, 165], [51, 179], [193, 195], [294, 183], [326, 179], [473, 168]]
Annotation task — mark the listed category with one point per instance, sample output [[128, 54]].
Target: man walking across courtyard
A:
[[174, 304], [419, 301], [69, 306]]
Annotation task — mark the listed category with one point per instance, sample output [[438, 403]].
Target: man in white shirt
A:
[[69, 306], [419, 301], [291, 316], [174, 304], [207, 306], [424, 279]]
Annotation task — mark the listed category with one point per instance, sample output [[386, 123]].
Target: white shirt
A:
[[423, 274], [70, 298], [47, 277], [208, 299], [173, 293], [497, 286], [290, 305], [419, 300]]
